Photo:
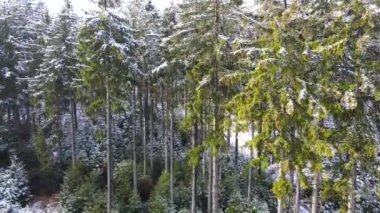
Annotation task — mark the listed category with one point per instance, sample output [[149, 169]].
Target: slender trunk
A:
[[215, 184], [164, 122], [204, 153], [136, 91], [73, 141], [249, 178], [236, 150], [171, 153], [285, 4], [151, 131], [185, 101], [109, 149], [194, 171], [75, 115], [210, 184], [315, 195], [250, 167], [280, 202], [291, 197], [228, 138], [297, 203], [146, 126], [352, 188], [142, 126]]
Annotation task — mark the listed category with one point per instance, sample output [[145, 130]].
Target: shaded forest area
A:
[[208, 106]]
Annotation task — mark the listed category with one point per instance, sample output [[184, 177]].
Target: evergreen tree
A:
[[106, 50]]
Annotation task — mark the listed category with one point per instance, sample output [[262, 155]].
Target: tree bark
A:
[[315, 194], [146, 126], [297, 203], [142, 126], [73, 141], [171, 153], [352, 188], [280, 201], [215, 184], [291, 180], [236, 150], [210, 184], [109, 148], [135, 92], [250, 167], [151, 130], [164, 122], [194, 170]]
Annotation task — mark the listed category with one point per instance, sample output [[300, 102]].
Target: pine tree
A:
[[59, 68], [106, 50]]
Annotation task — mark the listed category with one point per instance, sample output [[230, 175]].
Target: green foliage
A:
[[106, 48], [163, 185], [42, 152], [123, 178], [158, 204], [238, 204], [159, 198], [281, 188], [81, 191], [182, 197]]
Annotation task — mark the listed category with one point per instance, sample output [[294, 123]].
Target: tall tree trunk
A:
[[171, 152], [291, 196], [146, 125], [315, 194], [143, 125], [352, 187], [73, 141], [109, 148], [202, 137], [285, 4], [280, 201], [135, 92], [151, 130], [250, 167], [215, 184], [210, 183], [164, 125], [194, 170], [236, 150], [297, 203], [75, 115]]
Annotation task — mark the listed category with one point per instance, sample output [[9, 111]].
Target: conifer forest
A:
[[215, 106]]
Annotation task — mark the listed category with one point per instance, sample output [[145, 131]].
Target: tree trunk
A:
[[194, 171], [210, 184], [352, 188], [236, 150], [215, 184], [315, 194], [250, 167], [73, 141], [109, 149], [146, 126], [291, 196], [142, 127], [151, 130], [285, 4], [136, 91], [280, 201], [297, 203], [171, 153], [203, 133], [164, 122], [75, 115]]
